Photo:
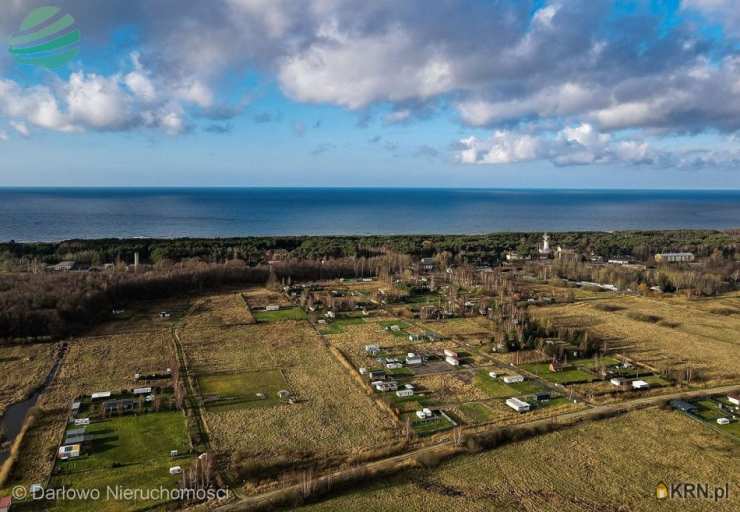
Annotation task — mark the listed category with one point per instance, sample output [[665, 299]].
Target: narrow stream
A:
[[12, 421]]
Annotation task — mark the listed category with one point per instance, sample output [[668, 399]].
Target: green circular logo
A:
[[47, 37]]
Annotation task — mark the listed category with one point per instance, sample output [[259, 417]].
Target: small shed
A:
[[100, 395], [450, 353], [452, 361], [404, 393], [272, 307], [175, 470], [142, 391]]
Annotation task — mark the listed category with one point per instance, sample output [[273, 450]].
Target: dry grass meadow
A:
[[663, 332], [220, 310], [611, 465], [332, 414], [23, 368]]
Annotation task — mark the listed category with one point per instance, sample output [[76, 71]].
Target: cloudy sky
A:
[[466, 93]]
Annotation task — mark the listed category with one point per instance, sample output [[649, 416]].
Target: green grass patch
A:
[[423, 298], [402, 326], [477, 412], [593, 364], [529, 386], [656, 381], [565, 376], [337, 326], [496, 388], [401, 372], [129, 451], [425, 428], [240, 389], [277, 316]]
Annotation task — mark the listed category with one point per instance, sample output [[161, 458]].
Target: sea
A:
[[53, 214]]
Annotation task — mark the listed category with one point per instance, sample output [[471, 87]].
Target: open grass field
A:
[[450, 387], [261, 297], [475, 412], [497, 388], [223, 309], [332, 413], [610, 465], [678, 332], [23, 368], [144, 316], [337, 326], [130, 451], [453, 326], [241, 388], [564, 376], [293, 313]]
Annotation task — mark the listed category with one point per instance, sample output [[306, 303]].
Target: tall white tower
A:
[[545, 249]]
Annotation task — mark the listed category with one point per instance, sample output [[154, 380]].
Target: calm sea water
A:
[[56, 214]]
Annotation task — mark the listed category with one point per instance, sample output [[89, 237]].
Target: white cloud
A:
[[98, 102], [504, 147], [3, 136], [356, 70]]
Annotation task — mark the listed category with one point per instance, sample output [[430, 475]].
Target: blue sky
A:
[[628, 94]]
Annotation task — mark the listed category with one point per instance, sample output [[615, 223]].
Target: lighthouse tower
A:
[[545, 247]]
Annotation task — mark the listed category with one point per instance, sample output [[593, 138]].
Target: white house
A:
[[511, 379], [394, 366], [517, 405], [734, 399], [100, 395], [640, 384], [452, 361], [142, 391], [272, 307], [175, 470], [82, 421], [403, 393], [492, 375], [330, 315], [450, 353]]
